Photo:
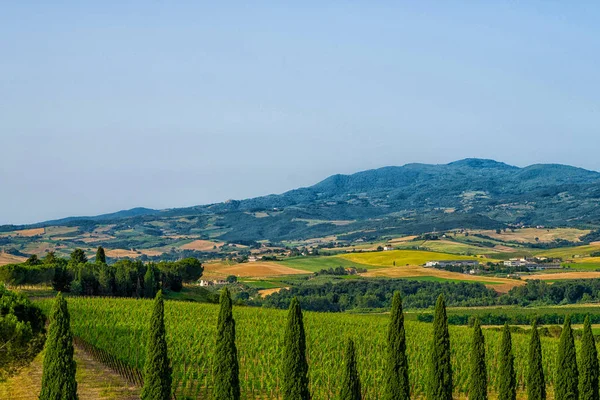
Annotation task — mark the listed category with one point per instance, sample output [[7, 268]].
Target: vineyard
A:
[[118, 326]]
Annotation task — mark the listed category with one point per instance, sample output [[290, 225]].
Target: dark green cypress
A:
[[58, 379], [295, 367], [440, 377], [478, 376], [396, 370], [225, 365], [157, 371], [536, 384], [351, 380], [588, 360], [149, 282], [507, 386], [566, 386], [100, 255]]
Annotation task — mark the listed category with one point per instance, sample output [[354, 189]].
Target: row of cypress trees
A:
[[571, 383], [58, 380]]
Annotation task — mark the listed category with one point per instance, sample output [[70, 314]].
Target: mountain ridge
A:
[[412, 198]]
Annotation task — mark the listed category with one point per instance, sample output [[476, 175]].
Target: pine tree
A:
[[157, 371], [588, 377], [58, 379], [478, 376], [536, 384], [396, 370], [351, 380], [440, 377], [295, 367], [149, 282], [507, 388], [566, 386], [100, 255], [225, 365]]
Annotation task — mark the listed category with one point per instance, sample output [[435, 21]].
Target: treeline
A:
[[125, 278], [21, 330], [539, 292], [378, 293], [514, 318]]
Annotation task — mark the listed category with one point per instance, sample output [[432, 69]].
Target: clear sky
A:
[[109, 105]]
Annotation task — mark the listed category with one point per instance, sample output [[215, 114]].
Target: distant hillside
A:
[[413, 198]]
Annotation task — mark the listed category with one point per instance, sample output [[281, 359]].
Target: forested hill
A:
[[413, 198]]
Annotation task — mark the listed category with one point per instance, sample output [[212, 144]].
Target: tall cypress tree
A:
[[295, 367], [507, 386], [149, 282], [478, 376], [157, 371], [536, 384], [396, 370], [351, 380], [225, 366], [588, 376], [58, 379], [100, 255], [440, 376], [566, 386]]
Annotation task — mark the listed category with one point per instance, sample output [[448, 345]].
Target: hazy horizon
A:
[[117, 105]]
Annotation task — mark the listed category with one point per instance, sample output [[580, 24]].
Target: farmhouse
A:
[[204, 283], [457, 263]]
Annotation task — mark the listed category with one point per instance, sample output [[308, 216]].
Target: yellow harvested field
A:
[[201, 245], [529, 235], [25, 232], [120, 253], [403, 239], [401, 257], [563, 275], [266, 292], [10, 259], [251, 270], [500, 285]]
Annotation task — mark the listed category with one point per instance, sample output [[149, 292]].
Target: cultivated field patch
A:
[[25, 232], [252, 269], [501, 285], [201, 245], [402, 257], [6, 258], [122, 253], [563, 275], [529, 235]]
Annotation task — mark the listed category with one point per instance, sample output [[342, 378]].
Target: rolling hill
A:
[[410, 199]]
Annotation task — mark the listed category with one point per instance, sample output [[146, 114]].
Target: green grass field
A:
[[260, 284], [569, 252], [446, 246]]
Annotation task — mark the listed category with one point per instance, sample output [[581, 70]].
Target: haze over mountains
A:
[[414, 198]]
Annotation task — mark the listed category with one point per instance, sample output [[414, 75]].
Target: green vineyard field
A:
[[119, 325]]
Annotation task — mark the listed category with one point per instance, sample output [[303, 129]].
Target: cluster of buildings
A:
[[452, 263], [216, 282], [533, 264]]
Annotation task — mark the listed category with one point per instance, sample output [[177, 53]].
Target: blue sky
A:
[[111, 105]]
